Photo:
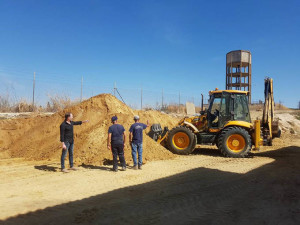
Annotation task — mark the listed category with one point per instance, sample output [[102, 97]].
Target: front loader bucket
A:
[[157, 133]]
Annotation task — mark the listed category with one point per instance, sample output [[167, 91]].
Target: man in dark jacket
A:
[[116, 143], [67, 140]]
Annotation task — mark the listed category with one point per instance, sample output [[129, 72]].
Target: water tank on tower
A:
[[238, 71]]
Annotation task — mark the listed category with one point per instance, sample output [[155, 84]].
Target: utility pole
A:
[[81, 89], [280, 104], [201, 102], [179, 102], [141, 98], [33, 91], [162, 99], [115, 87]]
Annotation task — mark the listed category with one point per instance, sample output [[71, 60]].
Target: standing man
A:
[[136, 141], [116, 143], [67, 140]]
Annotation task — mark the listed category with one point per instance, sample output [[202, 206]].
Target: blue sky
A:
[[170, 45]]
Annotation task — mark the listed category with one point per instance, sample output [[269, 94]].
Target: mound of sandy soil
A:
[[37, 137], [289, 123]]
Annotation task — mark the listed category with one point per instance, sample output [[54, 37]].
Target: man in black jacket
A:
[[67, 140]]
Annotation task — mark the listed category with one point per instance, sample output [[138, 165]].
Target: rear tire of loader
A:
[[235, 142], [181, 140]]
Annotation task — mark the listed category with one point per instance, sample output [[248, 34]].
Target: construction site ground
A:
[[201, 188]]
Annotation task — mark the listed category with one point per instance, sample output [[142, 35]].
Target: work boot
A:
[[140, 167], [65, 171], [115, 170], [73, 168], [123, 168], [135, 167]]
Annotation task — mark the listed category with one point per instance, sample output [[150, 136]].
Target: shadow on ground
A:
[[267, 195], [214, 152], [95, 167], [47, 168], [207, 151]]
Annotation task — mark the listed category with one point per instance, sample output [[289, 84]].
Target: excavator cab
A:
[[227, 106]]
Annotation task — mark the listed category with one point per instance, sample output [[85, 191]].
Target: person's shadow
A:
[[46, 168], [95, 167]]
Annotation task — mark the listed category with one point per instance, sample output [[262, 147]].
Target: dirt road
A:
[[203, 187]]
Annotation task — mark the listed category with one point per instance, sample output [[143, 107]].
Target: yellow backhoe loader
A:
[[226, 123]]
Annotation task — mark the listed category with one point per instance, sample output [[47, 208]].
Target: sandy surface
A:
[[202, 187]]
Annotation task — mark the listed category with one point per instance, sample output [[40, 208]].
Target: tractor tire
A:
[[235, 142], [181, 140]]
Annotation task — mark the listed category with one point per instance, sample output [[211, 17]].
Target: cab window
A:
[[241, 110], [215, 105]]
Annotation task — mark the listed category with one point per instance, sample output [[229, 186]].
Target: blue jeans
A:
[[70, 148], [137, 148]]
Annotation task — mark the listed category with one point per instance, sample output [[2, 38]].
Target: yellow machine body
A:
[[234, 130]]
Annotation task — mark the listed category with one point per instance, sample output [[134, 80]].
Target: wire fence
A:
[[39, 90], [156, 99]]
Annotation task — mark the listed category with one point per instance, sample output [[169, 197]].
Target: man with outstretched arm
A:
[[136, 141], [67, 140], [116, 143]]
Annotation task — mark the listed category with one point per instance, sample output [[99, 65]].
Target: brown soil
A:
[[37, 137]]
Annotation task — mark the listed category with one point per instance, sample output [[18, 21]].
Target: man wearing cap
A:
[[67, 140], [136, 141], [116, 143]]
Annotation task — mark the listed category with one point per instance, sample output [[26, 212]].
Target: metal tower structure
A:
[[238, 71]]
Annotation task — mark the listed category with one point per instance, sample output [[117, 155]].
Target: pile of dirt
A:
[[289, 123], [37, 138]]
